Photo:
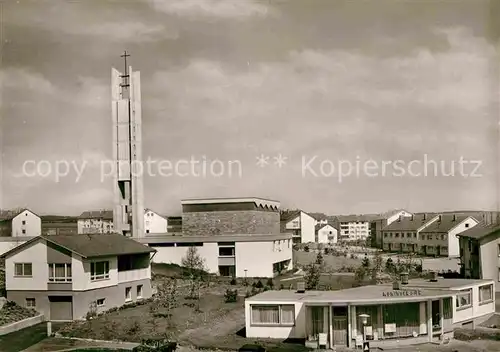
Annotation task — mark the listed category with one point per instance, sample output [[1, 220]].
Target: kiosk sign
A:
[[402, 293]]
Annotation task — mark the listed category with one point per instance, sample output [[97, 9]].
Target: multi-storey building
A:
[[228, 233], [174, 223], [440, 237], [378, 223], [354, 227], [154, 222], [65, 277], [96, 222], [402, 235], [20, 223], [59, 225], [480, 252]]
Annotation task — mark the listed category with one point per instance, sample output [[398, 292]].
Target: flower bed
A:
[[11, 313]]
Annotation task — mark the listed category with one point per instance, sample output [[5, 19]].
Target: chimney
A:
[[439, 218], [404, 278], [301, 287], [424, 217], [399, 218], [454, 217], [434, 277], [411, 217]]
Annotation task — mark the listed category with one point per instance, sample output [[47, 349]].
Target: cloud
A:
[[124, 31], [328, 99], [225, 9]]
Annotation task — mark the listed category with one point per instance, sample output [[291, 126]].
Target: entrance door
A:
[[339, 325], [61, 307]]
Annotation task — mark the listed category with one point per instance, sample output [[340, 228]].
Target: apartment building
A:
[[354, 227], [59, 225], [154, 222], [174, 223], [228, 233], [402, 235], [95, 222], [326, 234], [480, 252], [66, 276], [440, 238], [20, 223]]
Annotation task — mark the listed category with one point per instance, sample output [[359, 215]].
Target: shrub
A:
[[259, 284], [306, 248], [270, 283], [233, 281], [282, 287], [327, 251], [231, 296]]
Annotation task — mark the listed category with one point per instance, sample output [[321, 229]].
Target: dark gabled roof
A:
[[410, 223], [319, 216], [92, 245], [355, 217], [447, 223], [481, 230], [99, 214], [289, 215]]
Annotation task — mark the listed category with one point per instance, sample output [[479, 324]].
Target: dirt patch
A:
[[477, 334]]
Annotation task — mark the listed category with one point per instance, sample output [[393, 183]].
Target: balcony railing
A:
[[132, 275]]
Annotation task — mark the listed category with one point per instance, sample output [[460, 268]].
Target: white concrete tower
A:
[[128, 212]]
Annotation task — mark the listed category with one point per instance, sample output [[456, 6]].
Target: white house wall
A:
[[154, 223], [396, 216], [256, 257], [32, 226], [36, 254], [81, 274], [453, 241], [476, 310], [307, 225], [489, 262], [324, 234], [276, 332]]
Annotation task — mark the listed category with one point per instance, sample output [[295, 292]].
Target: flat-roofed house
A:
[[229, 234], [66, 276], [418, 311]]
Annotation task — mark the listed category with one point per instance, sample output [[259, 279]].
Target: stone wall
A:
[[230, 222]]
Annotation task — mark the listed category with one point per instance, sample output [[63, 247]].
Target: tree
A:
[[167, 297], [389, 266], [195, 266], [313, 273], [377, 266], [365, 263]]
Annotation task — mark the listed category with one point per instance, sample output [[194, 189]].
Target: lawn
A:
[[333, 262]]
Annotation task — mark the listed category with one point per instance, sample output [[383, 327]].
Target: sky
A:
[[280, 98]]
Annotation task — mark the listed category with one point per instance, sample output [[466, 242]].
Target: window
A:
[[464, 298], [385, 234], [59, 272], [30, 303], [414, 235], [397, 235], [23, 222], [485, 293], [273, 315], [466, 225], [99, 271], [23, 269], [23, 231], [101, 302], [128, 294], [147, 231], [139, 291], [226, 251]]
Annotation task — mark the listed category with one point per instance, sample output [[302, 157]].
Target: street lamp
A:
[[364, 321]]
